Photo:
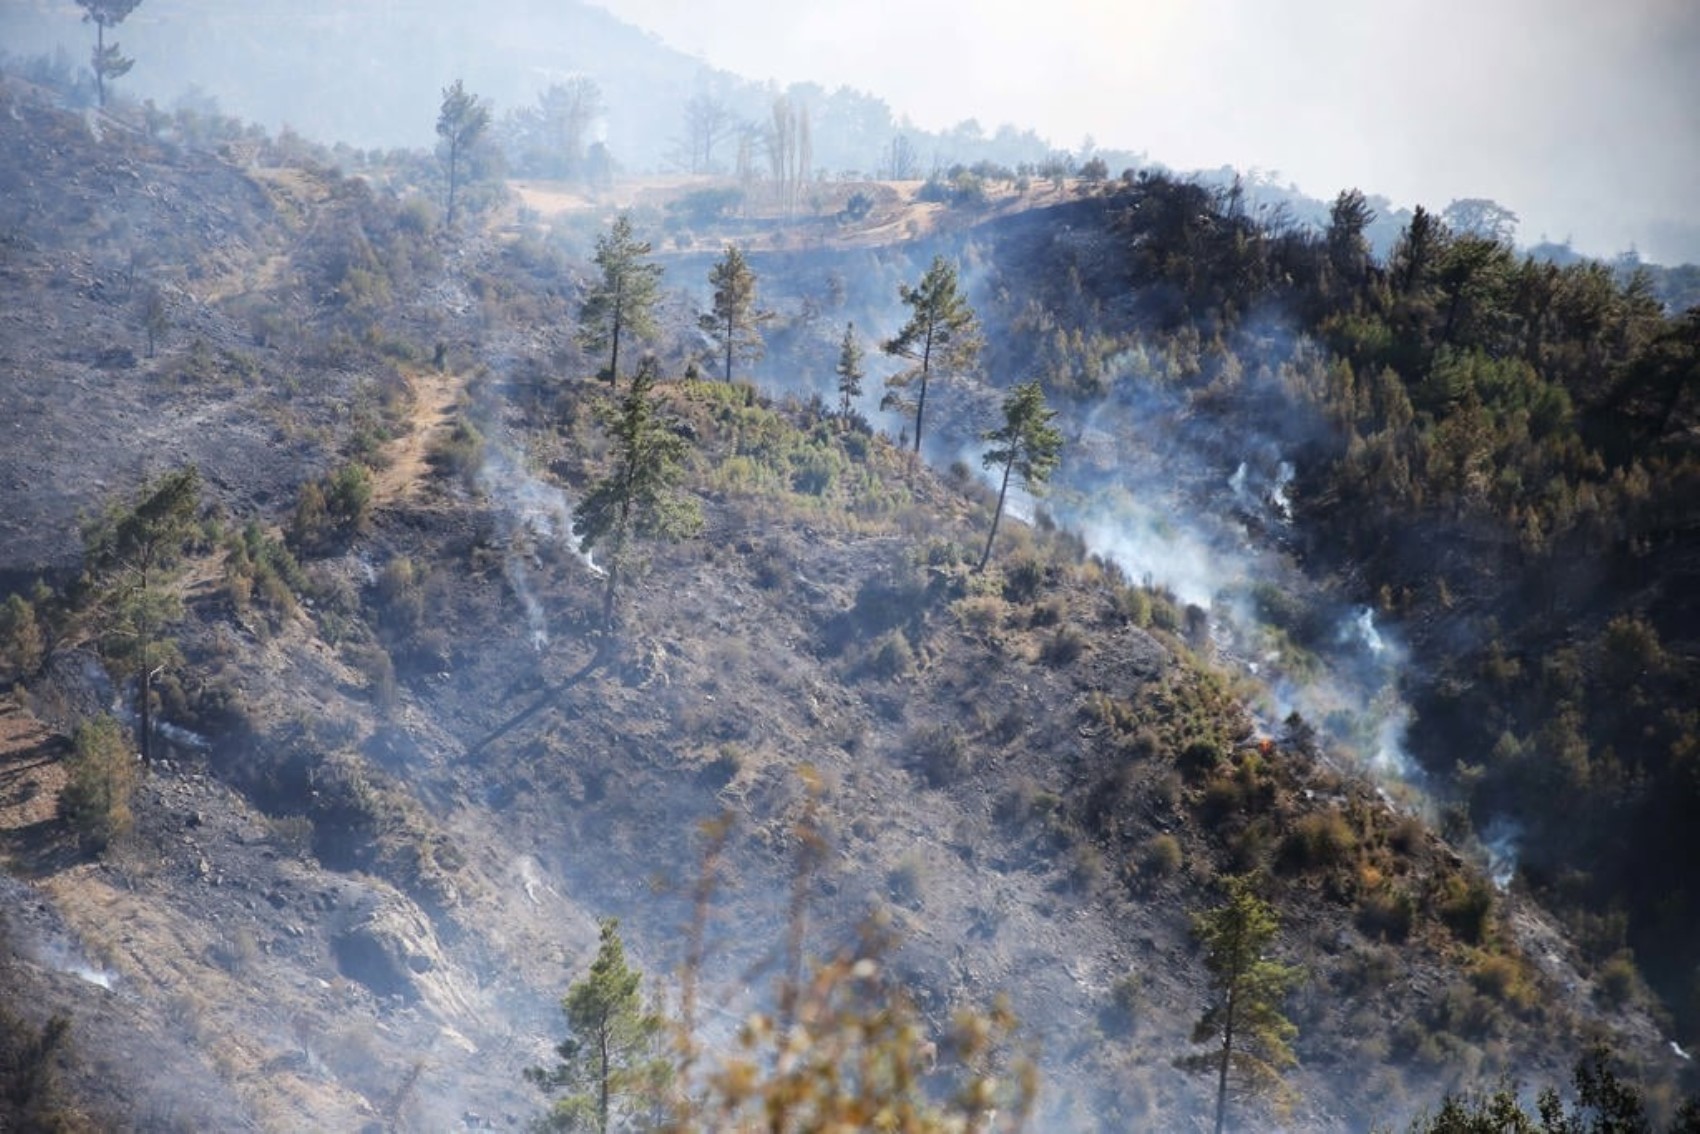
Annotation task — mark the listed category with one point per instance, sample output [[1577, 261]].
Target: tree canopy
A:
[[639, 498], [1244, 1020], [941, 334], [1026, 445], [460, 123], [107, 62], [610, 1065], [733, 320], [130, 555], [620, 304]]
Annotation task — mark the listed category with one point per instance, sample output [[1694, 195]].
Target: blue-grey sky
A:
[[1581, 115]]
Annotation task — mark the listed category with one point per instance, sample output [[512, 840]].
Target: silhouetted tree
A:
[[1348, 250], [1603, 1104], [622, 303], [1244, 1020], [460, 123], [1481, 218], [1418, 249], [1026, 444], [789, 151], [849, 370], [551, 138], [901, 164], [106, 61], [610, 1061], [708, 122], [733, 320], [941, 334], [638, 499], [130, 560]]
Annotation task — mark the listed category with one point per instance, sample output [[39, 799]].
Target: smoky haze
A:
[[1582, 118]]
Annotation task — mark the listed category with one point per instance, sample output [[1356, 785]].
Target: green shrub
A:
[[1387, 914], [1160, 857], [1466, 907], [1200, 758], [1064, 647], [1022, 580], [20, 636], [1318, 842], [890, 656], [459, 453], [1618, 979], [942, 754], [100, 781]]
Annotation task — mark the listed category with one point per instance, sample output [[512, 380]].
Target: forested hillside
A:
[[976, 638]]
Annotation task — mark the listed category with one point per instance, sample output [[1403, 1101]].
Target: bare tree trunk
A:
[[1003, 490]]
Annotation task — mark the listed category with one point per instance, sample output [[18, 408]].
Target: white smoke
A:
[[531, 511], [1501, 839]]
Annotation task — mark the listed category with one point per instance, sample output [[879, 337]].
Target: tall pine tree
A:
[[1253, 1040], [621, 304], [733, 320], [941, 335], [1026, 444], [610, 1063], [639, 497]]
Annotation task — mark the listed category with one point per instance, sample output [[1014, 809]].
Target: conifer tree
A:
[[638, 499], [734, 321], [460, 123], [849, 370], [1253, 1039], [610, 1061], [1026, 444], [941, 334], [107, 62], [130, 562], [621, 304]]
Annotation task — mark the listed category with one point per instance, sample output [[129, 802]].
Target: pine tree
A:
[[130, 562], [849, 370], [941, 335], [460, 123], [1253, 1038], [1026, 444], [610, 1061], [638, 499], [733, 321], [107, 62], [622, 303]]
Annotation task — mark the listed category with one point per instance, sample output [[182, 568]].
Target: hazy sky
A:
[[1581, 115]]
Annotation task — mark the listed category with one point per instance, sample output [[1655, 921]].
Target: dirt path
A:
[[434, 395]]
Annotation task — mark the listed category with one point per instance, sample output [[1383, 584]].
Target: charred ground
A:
[[415, 770]]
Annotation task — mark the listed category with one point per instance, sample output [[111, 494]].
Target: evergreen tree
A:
[[460, 123], [941, 334], [107, 62], [1026, 443], [638, 499], [849, 370], [734, 322], [622, 303], [130, 562], [1253, 1038], [610, 1061]]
